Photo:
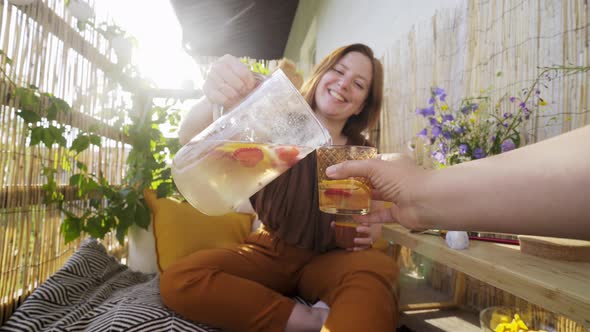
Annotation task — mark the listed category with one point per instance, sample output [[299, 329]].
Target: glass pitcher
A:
[[248, 147]]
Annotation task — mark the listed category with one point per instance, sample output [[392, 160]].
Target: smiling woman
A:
[[345, 93], [159, 54]]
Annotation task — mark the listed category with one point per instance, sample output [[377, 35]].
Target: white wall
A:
[[377, 23]]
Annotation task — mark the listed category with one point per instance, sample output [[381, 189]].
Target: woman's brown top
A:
[[289, 207]]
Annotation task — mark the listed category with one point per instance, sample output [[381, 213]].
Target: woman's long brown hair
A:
[[369, 116]]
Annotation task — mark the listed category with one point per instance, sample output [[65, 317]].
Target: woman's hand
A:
[[368, 235], [228, 81], [361, 237]]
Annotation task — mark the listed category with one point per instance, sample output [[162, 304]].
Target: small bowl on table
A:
[[492, 318]]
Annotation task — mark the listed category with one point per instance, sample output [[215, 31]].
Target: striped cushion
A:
[[94, 292]]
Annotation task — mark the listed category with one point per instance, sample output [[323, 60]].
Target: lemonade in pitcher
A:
[[221, 175]]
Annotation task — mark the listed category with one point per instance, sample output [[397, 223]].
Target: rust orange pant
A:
[[247, 288]]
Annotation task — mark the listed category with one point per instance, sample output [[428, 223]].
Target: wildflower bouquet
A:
[[476, 128]]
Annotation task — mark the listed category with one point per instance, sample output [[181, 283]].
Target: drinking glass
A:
[[345, 196]]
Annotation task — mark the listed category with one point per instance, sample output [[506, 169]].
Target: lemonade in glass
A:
[[345, 196]]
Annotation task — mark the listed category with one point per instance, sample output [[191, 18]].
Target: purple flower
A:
[[431, 100], [422, 133], [527, 113], [522, 105], [446, 134], [508, 115], [439, 91], [492, 138], [428, 111], [460, 130], [478, 153], [505, 124], [469, 108], [447, 118], [439, 156], [463, 149], [512, 99], [508, 145], [443, 97], [436, 131], [433, 121]]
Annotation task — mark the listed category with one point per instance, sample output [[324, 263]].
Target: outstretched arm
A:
[[540, 189], [197, 119]]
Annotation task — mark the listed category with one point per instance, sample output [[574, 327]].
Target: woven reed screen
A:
[[490, 44], [494, 45], [49, 52]]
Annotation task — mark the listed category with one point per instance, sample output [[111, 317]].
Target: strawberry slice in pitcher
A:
[[248, 157], [288, 154]]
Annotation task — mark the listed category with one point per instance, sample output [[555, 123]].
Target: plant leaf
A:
[[36, 135], [164, 189], [71, 228], [29, 116], [142, 215], [52, 112], [81, 143], [48, 136], [96, 227], [81, 166], [95, 139], [76, 180], [61, 105]]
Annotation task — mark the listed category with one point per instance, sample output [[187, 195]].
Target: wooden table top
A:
[[559, 286]]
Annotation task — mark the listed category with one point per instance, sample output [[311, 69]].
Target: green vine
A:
[[107, 207]]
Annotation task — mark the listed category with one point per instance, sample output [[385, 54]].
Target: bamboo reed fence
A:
[[497, 46], [49, 52], [492, 45]]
